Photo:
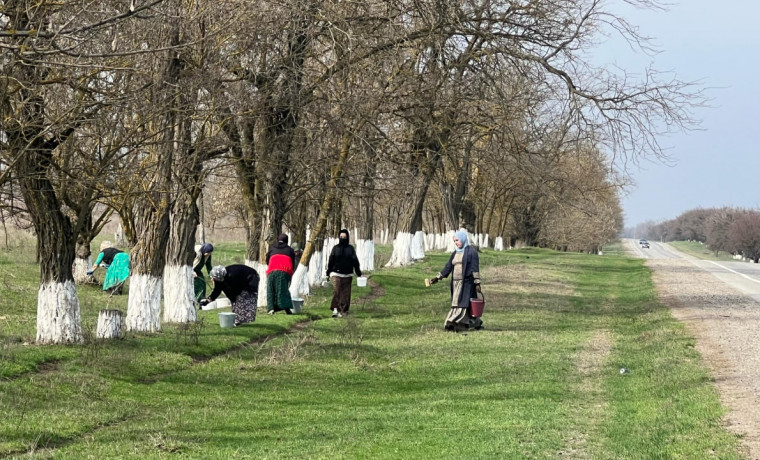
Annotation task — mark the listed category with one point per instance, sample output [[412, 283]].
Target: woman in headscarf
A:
[[341, 266], [240, 283], [281, 262], [116, 263], [464, 267], [202, 259]]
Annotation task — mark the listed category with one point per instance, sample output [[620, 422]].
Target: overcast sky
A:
[[719, 44]]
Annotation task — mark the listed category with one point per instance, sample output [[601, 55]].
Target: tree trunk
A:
[[331, 194], [109, 324], [179, 292]]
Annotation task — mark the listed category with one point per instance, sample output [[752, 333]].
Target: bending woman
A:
[[116, 263], [240, 283]]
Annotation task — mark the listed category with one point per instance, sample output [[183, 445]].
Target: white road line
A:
[[734, 271]]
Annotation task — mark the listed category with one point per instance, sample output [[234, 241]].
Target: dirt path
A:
[[726, 325]]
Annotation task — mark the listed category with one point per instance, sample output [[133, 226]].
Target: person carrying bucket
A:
[[340, 268], [464, 267]]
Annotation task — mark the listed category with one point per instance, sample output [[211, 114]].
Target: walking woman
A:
[[340, 268], [240, 283], [464, 267]]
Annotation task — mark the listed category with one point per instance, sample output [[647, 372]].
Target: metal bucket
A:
[[227, 319], [297, 305]]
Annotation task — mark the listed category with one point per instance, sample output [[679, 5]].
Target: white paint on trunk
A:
[[315, 272], [179, 294], [365, 251], [449, 240], [109, 324], [144, 304], [485, 241], [299, 284], [499, 244], [327, 247], [80, 268], [261, 269], [58, 317], [402, 251], [417, 249]]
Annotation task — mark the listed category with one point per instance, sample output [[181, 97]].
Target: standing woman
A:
[[202, 259], [240, 283], [464, 267], [280, 262], [340, 268]]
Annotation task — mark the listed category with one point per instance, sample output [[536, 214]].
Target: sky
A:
[[718, 44]]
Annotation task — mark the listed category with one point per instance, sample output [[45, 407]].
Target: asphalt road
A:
[[741, 275]]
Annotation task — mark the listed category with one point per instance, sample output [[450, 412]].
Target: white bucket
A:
[[297, 305], [361, 281], [227, 319]]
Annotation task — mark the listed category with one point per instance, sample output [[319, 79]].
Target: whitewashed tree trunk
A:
[[327, 248], [118, 236], [58, 317], [316, 270], [81, 266], [449, 240], [485, 241], [144, 304], [261, 269], [299, 284], [179, 294], [109, 324], [499, 244], [417, 247], [365, 251], [402, 250]]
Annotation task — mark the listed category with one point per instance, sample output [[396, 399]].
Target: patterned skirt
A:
[[245, 307]]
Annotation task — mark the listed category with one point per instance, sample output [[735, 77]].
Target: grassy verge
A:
[[542, 380], [699, 250]]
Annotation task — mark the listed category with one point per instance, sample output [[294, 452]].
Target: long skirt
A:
[[341, 293], [199, 285], [245, 307], [278, 295], [117, 272], [458, 318]]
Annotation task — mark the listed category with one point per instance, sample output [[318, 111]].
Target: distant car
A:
[[644, 244]]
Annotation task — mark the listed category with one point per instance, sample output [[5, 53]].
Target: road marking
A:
[[734, 271]]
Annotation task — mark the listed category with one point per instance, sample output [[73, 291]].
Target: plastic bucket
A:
[[361, 281], [227, 319], [476, 307], [297, 305]]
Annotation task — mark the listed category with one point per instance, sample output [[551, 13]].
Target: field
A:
[[578, 360]]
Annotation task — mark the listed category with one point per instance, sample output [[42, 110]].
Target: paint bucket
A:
[[223, 302], [476, 307], [297, 305], [361, 281], [227, 319]]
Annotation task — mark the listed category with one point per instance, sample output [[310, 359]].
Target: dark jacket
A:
[[470, 272], [108, 255], [343, 260], [281, 257], [239, 278]]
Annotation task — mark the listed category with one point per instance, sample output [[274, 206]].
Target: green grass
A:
[[542, 380], [699, 250]]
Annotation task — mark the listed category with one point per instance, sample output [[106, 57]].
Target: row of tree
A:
[[732, 230], [309, 113]]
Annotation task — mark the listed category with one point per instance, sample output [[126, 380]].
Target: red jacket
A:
[[281, 257]]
